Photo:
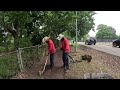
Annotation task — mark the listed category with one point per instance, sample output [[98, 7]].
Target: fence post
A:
[[20, 58], [18, 55]]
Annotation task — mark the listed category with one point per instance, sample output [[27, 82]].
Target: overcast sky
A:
[[110, 18]]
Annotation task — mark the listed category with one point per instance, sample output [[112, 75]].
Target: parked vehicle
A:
[[116, 43], [90, 42]]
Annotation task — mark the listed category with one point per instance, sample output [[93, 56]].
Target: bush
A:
[[2, 49], [8, 66]]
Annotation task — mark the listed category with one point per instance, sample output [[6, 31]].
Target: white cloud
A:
[[110, 18]]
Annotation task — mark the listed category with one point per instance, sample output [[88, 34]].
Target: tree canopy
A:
[[105, 32], [26, 28]]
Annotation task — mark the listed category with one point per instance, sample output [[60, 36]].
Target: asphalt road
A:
[[103, 48]]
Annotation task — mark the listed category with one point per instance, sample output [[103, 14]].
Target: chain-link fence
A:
[[22, 59], [32, 55]]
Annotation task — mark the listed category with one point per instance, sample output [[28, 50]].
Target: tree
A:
[[13, 23], [85, 23], [105, 32], [85, 37], [29, 27]]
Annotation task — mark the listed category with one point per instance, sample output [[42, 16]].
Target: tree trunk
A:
[[16, 42]]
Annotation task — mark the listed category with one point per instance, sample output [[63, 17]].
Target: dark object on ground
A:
[[90, 42], [61, 49], [74, 61], [86, 57], [97, 76], [71, 58], [116, 43]]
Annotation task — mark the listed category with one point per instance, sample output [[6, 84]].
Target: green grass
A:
[[9, 63], [2, 49], [73, 44], [8, 66]]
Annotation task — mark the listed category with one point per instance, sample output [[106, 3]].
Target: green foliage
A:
[[85, 22], [2, 49], [105, 32], [118, 36], [8, 66], [85, 37], [27, 28]]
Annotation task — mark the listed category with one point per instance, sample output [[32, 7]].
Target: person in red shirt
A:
[[65, 47], [51, 49]]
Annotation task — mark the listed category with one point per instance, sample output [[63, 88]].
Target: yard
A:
[[101, 63]]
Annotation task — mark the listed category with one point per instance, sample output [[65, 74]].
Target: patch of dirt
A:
[[101, 62], [32, 72], [57, 72]]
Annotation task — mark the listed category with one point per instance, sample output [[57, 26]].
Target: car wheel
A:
[[114, 45]]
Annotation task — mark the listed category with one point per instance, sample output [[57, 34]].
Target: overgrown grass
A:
[[32, 55], [8, 66], [2, 49]]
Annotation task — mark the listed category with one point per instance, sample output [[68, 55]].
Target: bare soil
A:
[[101, 62]]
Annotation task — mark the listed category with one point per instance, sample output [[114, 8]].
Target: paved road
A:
[[107, 49]]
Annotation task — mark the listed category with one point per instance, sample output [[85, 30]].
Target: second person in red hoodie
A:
[[51, 49]]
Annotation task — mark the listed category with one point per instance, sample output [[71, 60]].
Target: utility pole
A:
[[76, 32]]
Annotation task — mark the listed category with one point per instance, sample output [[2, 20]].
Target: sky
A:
[[109, 18]]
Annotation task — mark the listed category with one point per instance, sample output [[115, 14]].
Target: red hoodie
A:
[[51, 47], [65, 45]]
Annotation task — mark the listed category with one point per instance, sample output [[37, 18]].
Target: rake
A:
[[73, 61]]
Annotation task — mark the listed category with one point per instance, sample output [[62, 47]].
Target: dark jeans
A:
[[65, 60], [51, 60]]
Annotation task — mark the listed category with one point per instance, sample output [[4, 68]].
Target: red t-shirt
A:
[[65, 45], [51, 47]]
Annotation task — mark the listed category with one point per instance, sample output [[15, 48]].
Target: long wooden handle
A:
[[40, 72], [70, 57]]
